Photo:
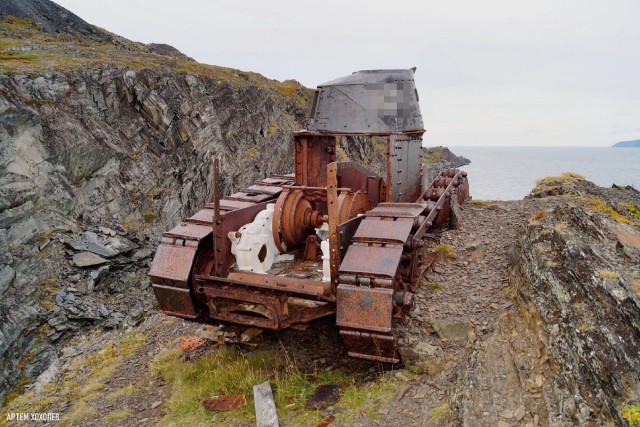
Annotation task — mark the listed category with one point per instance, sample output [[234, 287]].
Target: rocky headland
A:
[[635, 143]]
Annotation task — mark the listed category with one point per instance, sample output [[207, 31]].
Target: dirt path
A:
[[492, 374]]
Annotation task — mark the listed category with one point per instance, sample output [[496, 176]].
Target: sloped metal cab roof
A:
[[368, 101]]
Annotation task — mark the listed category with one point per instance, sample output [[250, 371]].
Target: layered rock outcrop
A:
[[578, 284], [121, 155]]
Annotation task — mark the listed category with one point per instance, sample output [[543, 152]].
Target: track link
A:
[[379, 269]]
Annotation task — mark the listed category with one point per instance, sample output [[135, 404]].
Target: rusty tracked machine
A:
[[334, 237]]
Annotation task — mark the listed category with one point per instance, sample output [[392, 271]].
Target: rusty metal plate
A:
[[175, 301], [248, 197], [172, 263], [230, 205], [189, 231], [266, 189], [346, 231], [405, 167], [284, 179], [202, 217], [398, 210], [375, 230], [371, 260], [381, 348], [364, 308]]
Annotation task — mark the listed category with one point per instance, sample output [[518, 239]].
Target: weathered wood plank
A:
[[266, 415]]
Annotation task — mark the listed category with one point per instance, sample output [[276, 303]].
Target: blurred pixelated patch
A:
[[389, 99]]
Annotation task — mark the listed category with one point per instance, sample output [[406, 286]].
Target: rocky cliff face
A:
[[96, 161], [578, 284]]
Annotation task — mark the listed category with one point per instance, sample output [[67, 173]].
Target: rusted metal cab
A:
[[333, 237]]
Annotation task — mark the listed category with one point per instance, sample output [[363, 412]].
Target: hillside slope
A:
[[108, 142]]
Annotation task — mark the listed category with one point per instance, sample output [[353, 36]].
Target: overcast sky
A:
[[543, 72]]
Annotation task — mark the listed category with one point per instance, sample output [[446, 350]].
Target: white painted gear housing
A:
[[255, 249]]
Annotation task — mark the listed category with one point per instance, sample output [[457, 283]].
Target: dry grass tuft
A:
[[81, 384], [565, 177], [117, 415], [538, 215], [485, 203], [125, 391], [607, 274], [80, 411], [440, 413]]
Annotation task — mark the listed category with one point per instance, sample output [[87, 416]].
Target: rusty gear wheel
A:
[[352, 204], [291, 220]]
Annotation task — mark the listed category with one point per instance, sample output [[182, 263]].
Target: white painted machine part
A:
[[255, 249], [323, 233]]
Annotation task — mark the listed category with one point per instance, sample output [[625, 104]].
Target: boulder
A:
[[422, 358], [87, 259]]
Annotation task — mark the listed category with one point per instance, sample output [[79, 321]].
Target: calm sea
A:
[[509, 173]]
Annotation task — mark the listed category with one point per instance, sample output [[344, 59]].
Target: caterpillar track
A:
[[377, 276], [333, 237]]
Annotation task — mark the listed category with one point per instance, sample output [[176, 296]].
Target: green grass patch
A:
[[434, 154], [431, 286], [225, 372], [150, 217], [596, 204], [633, 210], [288, 87], [443, 249], [81, 411], [631, 413]]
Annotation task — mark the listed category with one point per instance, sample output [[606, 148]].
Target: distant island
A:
[[635, 143]]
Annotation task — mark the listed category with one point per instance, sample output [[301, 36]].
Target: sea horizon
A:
[[511, 172]]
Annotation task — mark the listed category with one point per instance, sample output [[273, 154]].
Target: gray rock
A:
[[577, 288], [87, 259], [451, 330], [115, 319], [100, 273], [57, 320], [101, 245], [107, 231], [7, 276], [422, 358]]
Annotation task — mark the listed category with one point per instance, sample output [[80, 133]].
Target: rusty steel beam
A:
[[334, 212], [215, 198]]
